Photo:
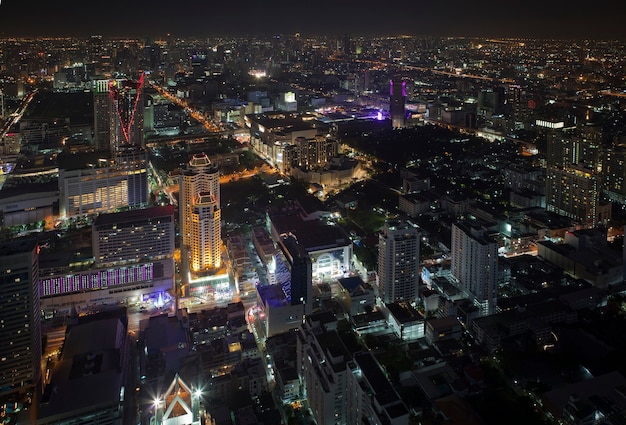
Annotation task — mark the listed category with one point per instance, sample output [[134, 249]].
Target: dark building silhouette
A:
[[397, 99], [301, 272]]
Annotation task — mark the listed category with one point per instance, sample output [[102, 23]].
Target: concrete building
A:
[[574, 192], [133, 236], [475, 265], [341, 387], [398, 262], [87, 384], [356, 295], [278, 314], [329, 246], [374, 400], [133, 258], [28, 203], [406, 322], [94, 183], [20, 328], [325, 366]]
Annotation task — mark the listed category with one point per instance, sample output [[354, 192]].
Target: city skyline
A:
[[532, 19]]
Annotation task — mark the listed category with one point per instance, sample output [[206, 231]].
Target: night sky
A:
[[507, 18]]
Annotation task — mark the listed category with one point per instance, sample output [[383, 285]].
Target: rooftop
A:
[[134, 215]]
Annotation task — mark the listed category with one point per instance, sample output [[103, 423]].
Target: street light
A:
[[157, 403]]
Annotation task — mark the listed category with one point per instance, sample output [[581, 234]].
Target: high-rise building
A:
[[200, 212], [397, 100], [101, 115], [301, 281], [205, 232], [20, 316], [474, 265], [574, 192], [133, 162], [325, 367], [575, 162], [398, 262], [614, 171], [118, 113], [343, 387]]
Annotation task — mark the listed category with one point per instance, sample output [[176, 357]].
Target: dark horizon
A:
[[558, 19]]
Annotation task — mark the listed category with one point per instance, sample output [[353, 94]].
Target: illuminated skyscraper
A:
[[118, 113], [205, 232], [398, 262], [118, 128], [397, 98], [200, 212], [20, 323], [127, 111]]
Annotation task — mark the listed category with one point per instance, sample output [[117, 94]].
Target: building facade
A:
[[397, 100], [475, 265], [398, 262], [118, 113], [104, 185], [20, 326], [133, 236], [200, 212]]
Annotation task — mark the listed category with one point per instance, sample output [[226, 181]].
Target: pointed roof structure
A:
[[178, 403]]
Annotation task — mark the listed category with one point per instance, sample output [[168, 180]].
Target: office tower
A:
[[491, 102], [398, 262], [133, 236], [397, 99], [118, 113], [301, 281], [201, 177], [475, 265], [20, 316], [101, 115]]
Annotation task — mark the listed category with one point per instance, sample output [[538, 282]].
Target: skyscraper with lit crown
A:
[[397, 100], [200, 212]]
